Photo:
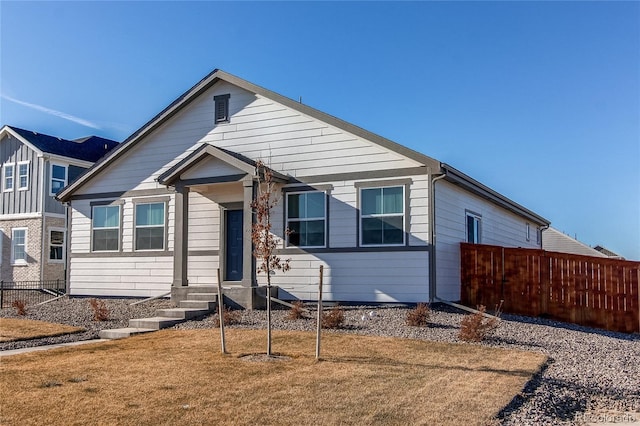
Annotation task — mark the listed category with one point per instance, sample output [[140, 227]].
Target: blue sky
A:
[[539, 100]]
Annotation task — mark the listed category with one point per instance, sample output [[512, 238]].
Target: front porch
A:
[[214, 191]]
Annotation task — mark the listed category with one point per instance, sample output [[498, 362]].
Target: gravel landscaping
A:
[[589, 370]]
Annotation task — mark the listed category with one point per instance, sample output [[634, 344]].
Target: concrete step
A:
[[182, 313], [155, 323], [121, 333], [211, 297], [199, 304], [202, 289]]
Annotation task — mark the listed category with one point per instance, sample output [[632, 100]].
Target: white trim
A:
[[306, 219], [56, 215], [19, 262], [4, 177], [21, 163], [382, 215], [477, 220], [15, 216], [66, 176], [63, 245], [69, 160]]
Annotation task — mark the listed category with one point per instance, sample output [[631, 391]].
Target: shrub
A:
[[419, 316], [100, 310], [297, 311], [334, 318], [476, 327], [21, 307], [229, 317]]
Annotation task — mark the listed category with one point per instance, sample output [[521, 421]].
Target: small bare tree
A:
[[264, 242]]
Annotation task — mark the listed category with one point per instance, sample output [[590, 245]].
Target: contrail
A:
[[52, 112]]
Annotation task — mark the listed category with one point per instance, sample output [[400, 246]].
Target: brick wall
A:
[[30, 271]]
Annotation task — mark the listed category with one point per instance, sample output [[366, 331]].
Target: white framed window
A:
[[528, 232], [474, 222], [56, 245], [105, 224], [382, 216], [23, 175], [307, 218], [19, 246], [150, 226], [8, 172], [58, 178]]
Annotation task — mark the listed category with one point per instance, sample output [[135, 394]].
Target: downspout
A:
[[432, 233]]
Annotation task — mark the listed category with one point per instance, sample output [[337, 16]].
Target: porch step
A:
[[122, 333], [199, 304], [155, 323], [210, 297], [183, 313]]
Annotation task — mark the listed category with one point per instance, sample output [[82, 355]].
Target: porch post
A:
[[248, 262], [181, 237]]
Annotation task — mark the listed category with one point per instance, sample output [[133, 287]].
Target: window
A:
[[473, 228], [150, 226], [7, 181], [106, 228], [528, 232], [382, 216], [58, 178], [19, 246], [221, 108], [56, 245], [23, 175], [306, 219]]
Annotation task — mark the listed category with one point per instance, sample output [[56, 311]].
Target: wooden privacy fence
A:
[[593, 291]]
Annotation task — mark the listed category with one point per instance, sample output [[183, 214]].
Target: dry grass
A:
[[180, 377], [20, 329]]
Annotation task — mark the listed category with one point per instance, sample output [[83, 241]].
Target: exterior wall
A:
[[498, 227], [30, 271], [19, 201]]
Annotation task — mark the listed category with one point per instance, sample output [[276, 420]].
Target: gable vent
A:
[[221, 108]]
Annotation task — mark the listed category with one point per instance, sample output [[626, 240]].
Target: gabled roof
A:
[[90, 148], [554, 240], [238, 161], [214, 77]]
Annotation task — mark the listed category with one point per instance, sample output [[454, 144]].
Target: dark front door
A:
[[233, 265]]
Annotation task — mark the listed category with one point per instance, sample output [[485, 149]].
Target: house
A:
[[172, 204], [608, 253], [33, 168], [554, 240]]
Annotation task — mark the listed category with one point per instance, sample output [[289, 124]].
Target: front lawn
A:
[[180, 377], [21, 329]]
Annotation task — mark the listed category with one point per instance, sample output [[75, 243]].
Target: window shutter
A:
[[221, 108]]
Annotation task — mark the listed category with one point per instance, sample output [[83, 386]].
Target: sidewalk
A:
[[47, 347]]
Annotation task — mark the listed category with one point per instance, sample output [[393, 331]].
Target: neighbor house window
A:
[[382, 216], [306, 219], [106, 228], [150, 220], [473, 228], [23, 175], [7, 177], [56, 245], [221, 108], [58, 178], [528, 232], [19, 246]]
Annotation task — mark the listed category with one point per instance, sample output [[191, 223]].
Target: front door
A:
[[233, 265]]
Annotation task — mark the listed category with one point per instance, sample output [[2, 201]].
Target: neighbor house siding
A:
[[19, 201], [498, 227]]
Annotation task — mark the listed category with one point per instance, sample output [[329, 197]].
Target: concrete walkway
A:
[[47, 347]]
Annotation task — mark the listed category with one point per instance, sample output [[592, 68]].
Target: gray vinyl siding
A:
[[20, 201]]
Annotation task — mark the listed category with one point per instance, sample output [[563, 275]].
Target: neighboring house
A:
[[172, 204], [33, 168], [608, 252], [554, 240]]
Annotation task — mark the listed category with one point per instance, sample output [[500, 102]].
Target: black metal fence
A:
[[30, 292]]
